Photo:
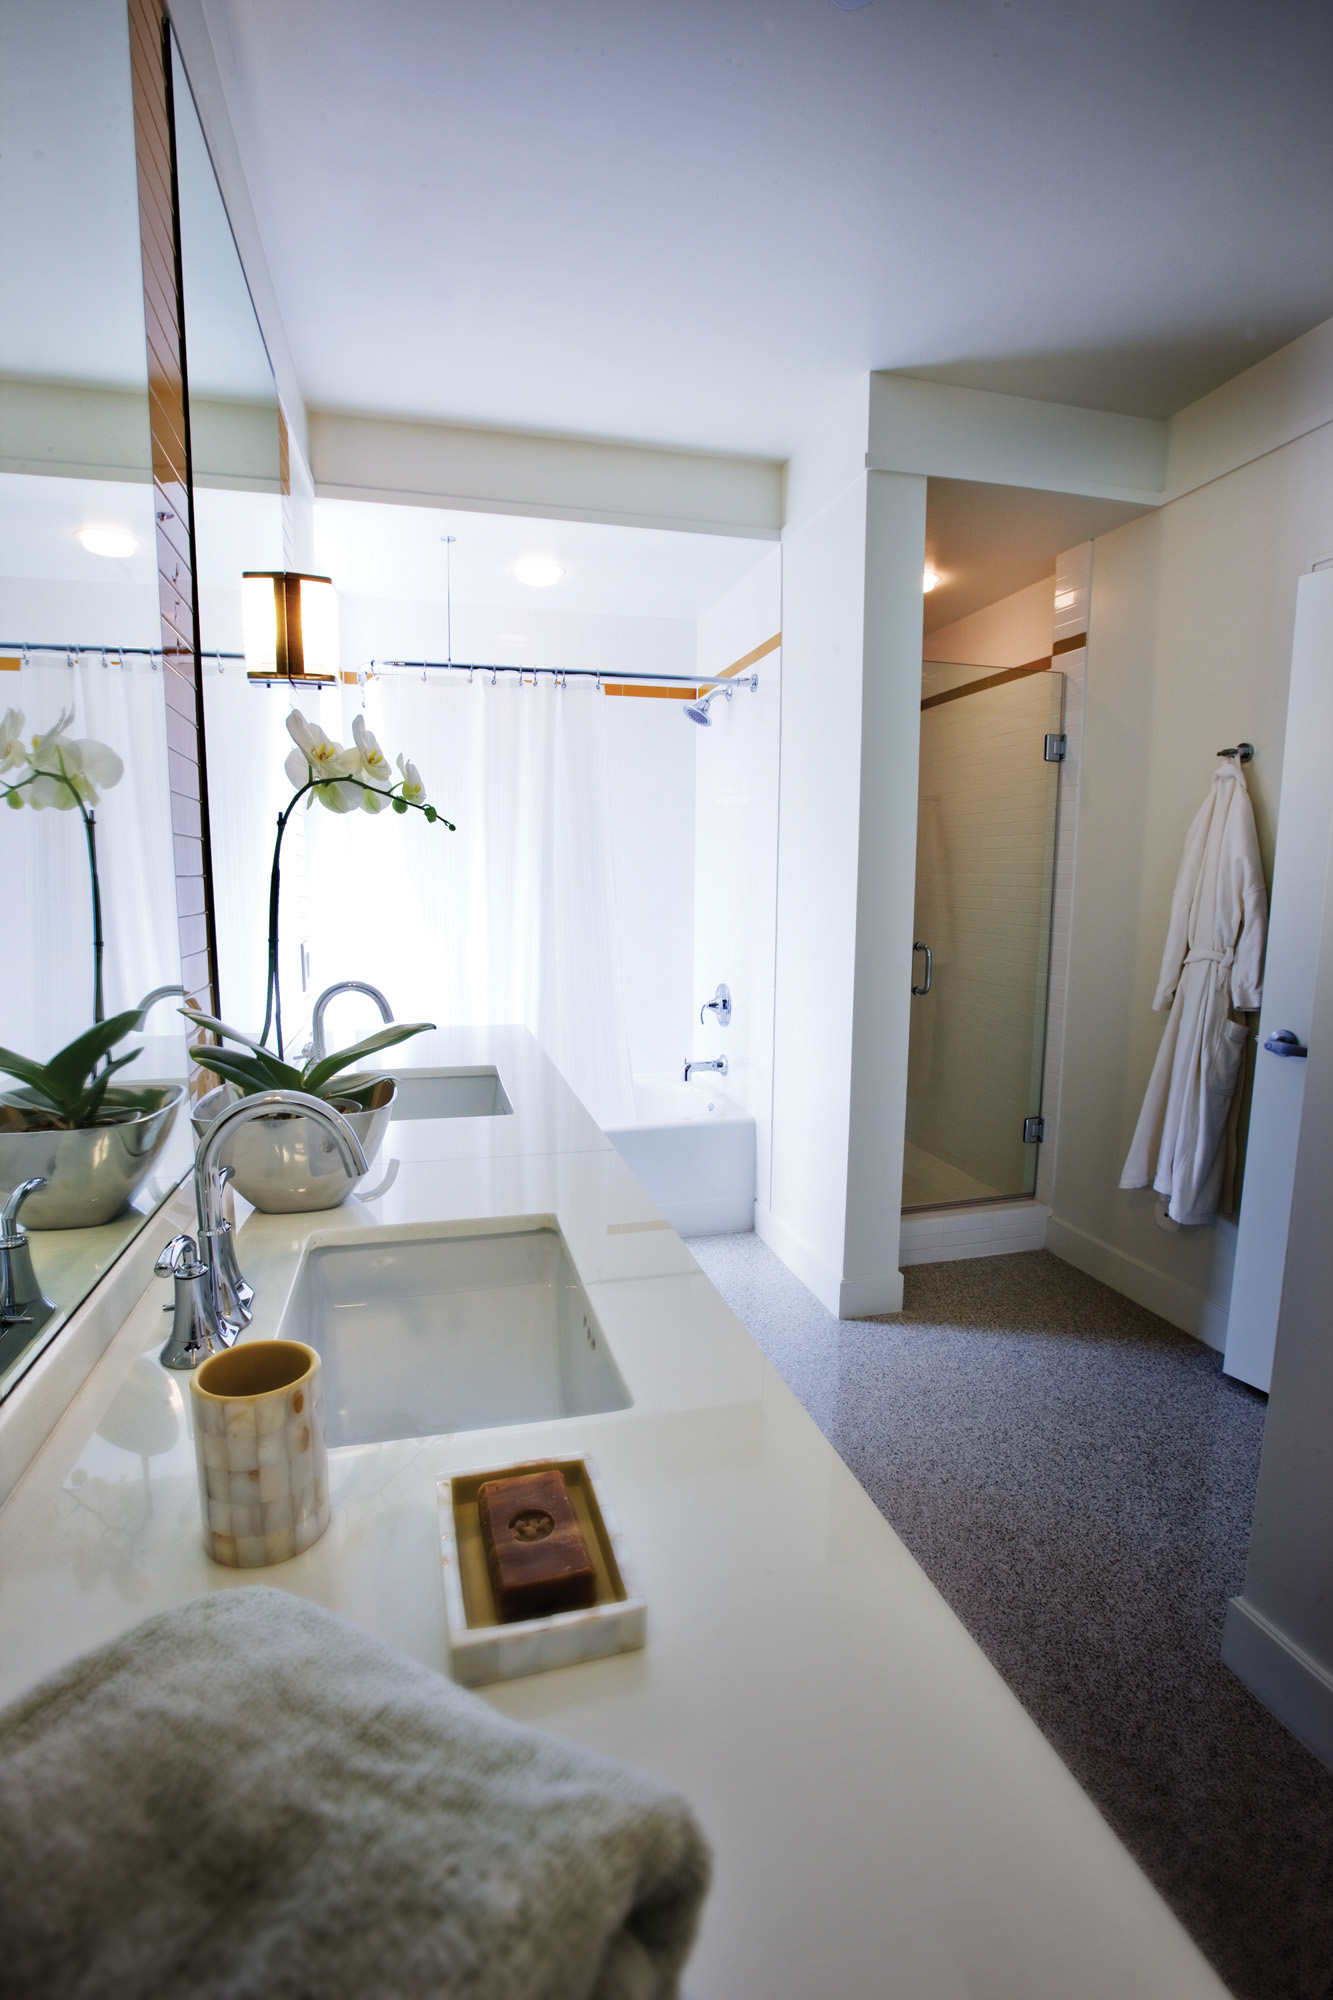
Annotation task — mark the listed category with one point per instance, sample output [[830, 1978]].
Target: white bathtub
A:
[[692, 1150]]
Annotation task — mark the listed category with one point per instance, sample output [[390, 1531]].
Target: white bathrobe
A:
[[1211, 973]]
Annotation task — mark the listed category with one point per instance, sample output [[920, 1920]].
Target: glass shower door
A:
[[985, 863]]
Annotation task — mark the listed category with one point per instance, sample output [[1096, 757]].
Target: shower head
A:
[[698, 710]]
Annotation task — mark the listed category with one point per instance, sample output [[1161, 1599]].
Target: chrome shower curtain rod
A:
[[559, 674], [494, 669]]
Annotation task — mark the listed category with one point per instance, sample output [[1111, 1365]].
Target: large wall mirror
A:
[[244, 519], [80, 630]]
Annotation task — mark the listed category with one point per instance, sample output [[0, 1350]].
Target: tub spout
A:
[[719, 1063]]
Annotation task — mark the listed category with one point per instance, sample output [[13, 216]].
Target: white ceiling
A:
[[696, 222]]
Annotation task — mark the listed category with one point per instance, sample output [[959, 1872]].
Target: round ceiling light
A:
[[114, 542], [538, 572], [929, 579]]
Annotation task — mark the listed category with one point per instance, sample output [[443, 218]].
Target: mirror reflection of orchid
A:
[[344, 779], [62, 773]]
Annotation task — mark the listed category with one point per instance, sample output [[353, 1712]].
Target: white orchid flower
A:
[[413, 789], [13, 752], [318, 756], [376, 766], [102, 767], [70, 769], [373, 760]]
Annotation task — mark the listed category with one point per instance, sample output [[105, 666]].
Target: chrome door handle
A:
[[1285, 1042], [921, 991]]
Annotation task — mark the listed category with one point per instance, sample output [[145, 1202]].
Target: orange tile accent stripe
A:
[[651, 693], [693, 693], [1042, 666], [739, 666], [10, 663]]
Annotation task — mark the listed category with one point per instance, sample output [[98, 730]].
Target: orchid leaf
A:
[[69, 1070], [319, 1073], [252, 1073], [31, 1073], [217, 1027], [91, 1102]]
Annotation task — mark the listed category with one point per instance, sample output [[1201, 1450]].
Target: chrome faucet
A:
[[213, 1301], [719, 1064], [22, 1302], [317, 1049]]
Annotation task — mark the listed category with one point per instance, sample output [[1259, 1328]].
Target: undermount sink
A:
[[450, 1093], [422, 1332]]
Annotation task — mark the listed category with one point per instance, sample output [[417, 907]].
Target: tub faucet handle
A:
[[719, 1007]]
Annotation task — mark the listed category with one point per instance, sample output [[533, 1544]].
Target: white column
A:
[[851, 693]]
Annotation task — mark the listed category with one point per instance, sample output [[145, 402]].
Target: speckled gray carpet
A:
[[1076, 1478]]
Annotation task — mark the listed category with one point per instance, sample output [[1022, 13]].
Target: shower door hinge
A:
[[1034, 1131], [1056, 746]]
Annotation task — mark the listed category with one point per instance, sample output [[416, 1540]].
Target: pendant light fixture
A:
[[290, 625]]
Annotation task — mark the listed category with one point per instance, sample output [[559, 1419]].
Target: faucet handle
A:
[[173, 1257], [12, 1232], [719, 1006]]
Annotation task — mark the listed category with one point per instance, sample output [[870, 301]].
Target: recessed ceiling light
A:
[[538, 572], [929, 579], [114, 542]]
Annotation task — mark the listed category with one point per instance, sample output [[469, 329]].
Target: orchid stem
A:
[[273, 996], [90, 829]]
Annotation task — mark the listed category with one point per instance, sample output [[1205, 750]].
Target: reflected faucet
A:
[[21, 1299], [213, 1300], [719, 1064], [317, 1048]]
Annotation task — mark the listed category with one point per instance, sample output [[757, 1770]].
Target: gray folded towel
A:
[[247, 1796]]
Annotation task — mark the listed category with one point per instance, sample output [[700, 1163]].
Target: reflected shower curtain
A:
[[46, 998], [511, 918]]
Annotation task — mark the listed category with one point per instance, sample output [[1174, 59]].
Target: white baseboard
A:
[[1167, 1297], [849, 1298], [1290, 1684], [859, 1298]]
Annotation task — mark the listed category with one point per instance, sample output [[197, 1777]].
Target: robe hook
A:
[[1244, 751]]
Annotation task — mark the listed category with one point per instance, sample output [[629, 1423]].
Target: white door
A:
[[1300, 867]]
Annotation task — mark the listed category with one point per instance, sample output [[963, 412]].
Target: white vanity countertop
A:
[[886, 1820]]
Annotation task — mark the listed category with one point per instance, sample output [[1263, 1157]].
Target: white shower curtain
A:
[[46, 996], [511, 918]]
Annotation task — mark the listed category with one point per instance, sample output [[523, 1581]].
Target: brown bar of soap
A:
[[535, 1551]]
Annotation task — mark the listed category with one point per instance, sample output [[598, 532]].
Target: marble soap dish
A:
[[481, 1650]]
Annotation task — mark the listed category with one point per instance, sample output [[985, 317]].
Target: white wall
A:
[[736, 847], [851, 690], [1189, 649]]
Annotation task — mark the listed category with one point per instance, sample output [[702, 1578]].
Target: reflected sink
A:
[[422, 1332], [450, 1093]]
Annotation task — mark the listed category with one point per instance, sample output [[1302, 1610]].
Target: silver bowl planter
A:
[[285, 1165], [93, 1173]]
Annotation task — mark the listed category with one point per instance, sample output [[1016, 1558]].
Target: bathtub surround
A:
[[989, 1424], [692, 1148]]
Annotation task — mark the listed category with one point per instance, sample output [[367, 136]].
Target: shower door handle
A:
[[920, 991]]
